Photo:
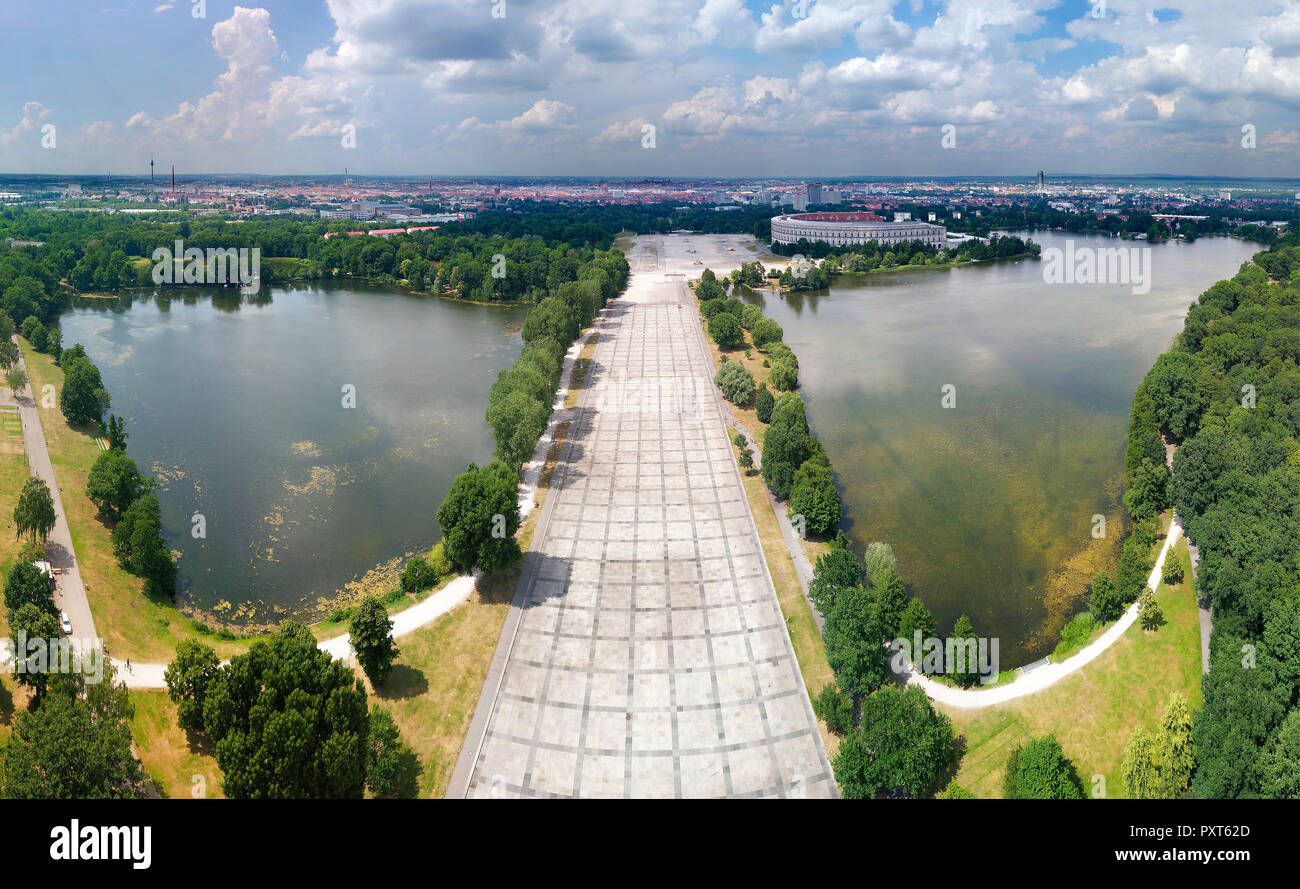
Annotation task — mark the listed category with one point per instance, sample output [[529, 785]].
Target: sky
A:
[[682, 88]]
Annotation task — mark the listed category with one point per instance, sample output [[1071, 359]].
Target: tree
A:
[[834, 708], [1104, 601], [902, 747], [783, 376], [188, 677], [1140, 771], [1172, 571], [854, 642], [518, 421], [836, 570], [1174, 747], [34, 514], [479, 518], [371, 637], [746, 460], [891, 600], [1148, 493], [1174, 393], [955, 791], [288, 721], [392, 768], [116, 433], [964, 668], [726, 332], [114, 483], [916, 618], [84, 398], [1045, 773], [1149, 612], [1279, 764], [75, 745], [40, 631], [9, 353], [763, 403], [16, 378], [813, 495], [34, 332], [766, 331], [879, 559], [27, 584], [138, 545], [735, 383], [786, 445]]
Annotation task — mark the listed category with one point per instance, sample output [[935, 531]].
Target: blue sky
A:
[[723, 87]]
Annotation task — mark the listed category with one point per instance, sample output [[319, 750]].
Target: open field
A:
[[1093, 712], [181, 768]]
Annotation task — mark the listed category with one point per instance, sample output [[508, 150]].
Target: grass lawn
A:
[[1092, 712], [180, 769], [132, 624], [439, 674]]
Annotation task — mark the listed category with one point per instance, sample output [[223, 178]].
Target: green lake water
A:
[[237, 407], [989, 505]]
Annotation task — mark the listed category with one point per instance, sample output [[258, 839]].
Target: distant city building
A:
[[815, 193], [932, 216], [840, 229], [719, 197], [1040, 180], [902, 217]]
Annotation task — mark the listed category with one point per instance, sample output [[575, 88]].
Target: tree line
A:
[[480, 514], [1228, 393]]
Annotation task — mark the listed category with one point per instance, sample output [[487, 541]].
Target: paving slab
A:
[[646, 654]]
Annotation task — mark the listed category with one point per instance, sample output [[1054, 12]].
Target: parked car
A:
[[65, 623]]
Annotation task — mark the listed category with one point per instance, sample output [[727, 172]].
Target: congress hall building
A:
[[841, 229]]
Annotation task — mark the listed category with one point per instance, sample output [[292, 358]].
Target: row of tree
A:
[[480, 514], [1228, 393]]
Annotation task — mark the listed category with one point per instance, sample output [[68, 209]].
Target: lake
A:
[[989, 504], [237, 407]]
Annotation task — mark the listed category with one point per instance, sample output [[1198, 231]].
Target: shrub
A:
[[438, 560], [736, 383], [418, 575], [834, 708], [1076, 632]]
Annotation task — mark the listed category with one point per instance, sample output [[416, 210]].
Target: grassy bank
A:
[[809, 648], [1092, 712]]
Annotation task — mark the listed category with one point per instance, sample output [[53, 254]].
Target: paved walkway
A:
[[646, 653], [1048, 674], [70, 592]]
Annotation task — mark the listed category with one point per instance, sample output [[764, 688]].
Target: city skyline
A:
[[687, 90]]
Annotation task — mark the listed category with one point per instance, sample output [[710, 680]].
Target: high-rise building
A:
[[1040, 180], [815, 193]]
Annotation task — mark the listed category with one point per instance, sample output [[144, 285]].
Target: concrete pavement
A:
[[646, 654]]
